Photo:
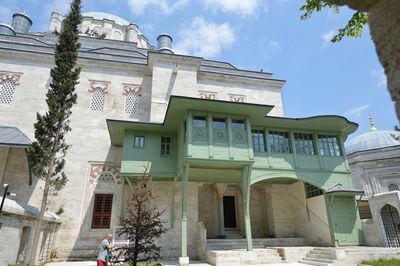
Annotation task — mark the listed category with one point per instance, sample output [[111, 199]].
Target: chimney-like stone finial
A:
[[371, 122]]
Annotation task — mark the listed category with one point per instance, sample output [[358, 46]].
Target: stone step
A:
[[321, 256], [315, 263], [319, 259], [323, 252]]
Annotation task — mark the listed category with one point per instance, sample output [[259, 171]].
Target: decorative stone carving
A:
[[97, 169], [237, 98], [208, 95], [132, 87], [94, 84], [10, 76]]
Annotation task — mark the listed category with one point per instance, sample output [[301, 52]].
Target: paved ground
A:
[[166, 263]]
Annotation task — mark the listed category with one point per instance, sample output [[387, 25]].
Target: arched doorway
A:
[[391, 223]]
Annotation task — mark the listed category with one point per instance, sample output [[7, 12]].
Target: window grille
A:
[[393, 187], [102, 211], [279, 142], [131, 102], [258, 140], [117, 35], [304, 143], [97, 99], [138, 142], [328, 145], [107, 178], [7, 91], [312, 191], [165, 146]]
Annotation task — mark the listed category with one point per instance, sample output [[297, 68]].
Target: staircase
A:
[[320, 257], [243, 257]]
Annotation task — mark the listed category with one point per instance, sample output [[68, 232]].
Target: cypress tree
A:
[[46, 154]]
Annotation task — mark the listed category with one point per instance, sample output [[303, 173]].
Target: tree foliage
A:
[[47, 152], [354, 26], [142, 225]]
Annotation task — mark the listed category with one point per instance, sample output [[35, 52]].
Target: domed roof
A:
[[102, 15], [373, 140]]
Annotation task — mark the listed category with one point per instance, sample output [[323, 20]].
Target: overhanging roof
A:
[[340, 189], [256, 113], [13, 137]]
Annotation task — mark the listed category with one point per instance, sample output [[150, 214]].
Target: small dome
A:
[[102, 15], [373, 140]]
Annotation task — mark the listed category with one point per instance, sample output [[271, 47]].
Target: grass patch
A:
[[382, 262], [18, 264]]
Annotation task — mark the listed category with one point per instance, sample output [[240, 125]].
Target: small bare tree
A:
[[142, 224]]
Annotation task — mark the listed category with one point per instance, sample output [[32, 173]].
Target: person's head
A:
[[109, 237]]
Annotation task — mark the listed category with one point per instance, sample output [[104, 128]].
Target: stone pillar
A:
[[5, 156], [270, 215], [184, 259], [246, 175], [221, 188]]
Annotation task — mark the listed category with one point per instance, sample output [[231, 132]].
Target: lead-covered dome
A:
[[373, 140]]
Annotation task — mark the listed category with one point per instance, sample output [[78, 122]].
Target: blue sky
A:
[[322, 77]]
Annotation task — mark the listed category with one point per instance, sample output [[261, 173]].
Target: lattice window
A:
[[97, 99], [106, 178], [393, 187], [312, 191], [102, 209], [131, 102], [7, 89], [117, 35]]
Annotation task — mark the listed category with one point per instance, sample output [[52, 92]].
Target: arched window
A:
[[393, 187], [106, 178], [97, 99], [116, 35], [7, 88]]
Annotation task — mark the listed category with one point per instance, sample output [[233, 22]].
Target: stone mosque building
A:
[[230, 169]]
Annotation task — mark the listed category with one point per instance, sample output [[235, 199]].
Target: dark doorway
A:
[[229, 212]]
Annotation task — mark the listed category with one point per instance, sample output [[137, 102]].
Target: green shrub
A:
[[382, 262]]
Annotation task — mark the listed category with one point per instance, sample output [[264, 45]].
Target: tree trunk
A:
[[32, 258], [41, 216]]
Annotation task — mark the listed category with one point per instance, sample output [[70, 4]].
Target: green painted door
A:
[[346, 223]]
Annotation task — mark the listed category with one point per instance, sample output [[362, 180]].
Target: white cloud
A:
[[380, 77], [356, 112], [242, 7], [166, 7], [327, 37], [202, 38], [275, 45]]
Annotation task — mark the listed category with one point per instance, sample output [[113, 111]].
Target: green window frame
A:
[[328, 145], [279, 142], [258, 137], [304, 143], [138, 141], [165, 146], [238, 124]]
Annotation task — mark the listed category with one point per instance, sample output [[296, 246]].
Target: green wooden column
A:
[[246, 172], [185, 177]]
